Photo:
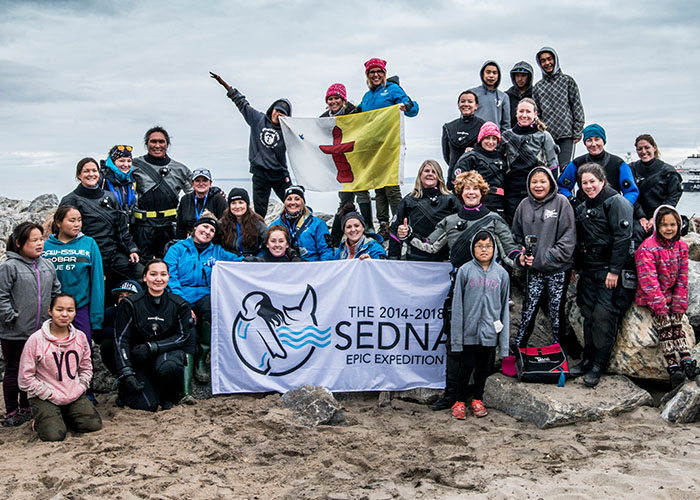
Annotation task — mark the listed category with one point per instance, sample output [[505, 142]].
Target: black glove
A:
[[132, 384], [144, 352]]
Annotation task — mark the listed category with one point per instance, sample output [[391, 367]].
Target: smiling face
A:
[[376, 76], [63, 311], [203, 233], [89, 175], [668, 227], [591, 185], [547, 61], [525, 114], [467, 104], [540, 186], [353, 231], [156, 278], [428, 177], [201, 186], [277, 243], [157, 145], [645, 151], [293, 203], [334, 102], [595, 145], [124, 163], [34, 245], [471, 195], [238, 208], [70, 226], [483, 251], [490, 76], [489, 143]]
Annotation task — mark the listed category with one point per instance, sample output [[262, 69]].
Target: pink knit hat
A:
[[489, 128], [375, 62], [339, 90]]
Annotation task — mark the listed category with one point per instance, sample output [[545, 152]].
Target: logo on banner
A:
[[277, 341]]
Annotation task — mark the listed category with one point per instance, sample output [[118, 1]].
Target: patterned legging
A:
[[671, 338], [536, 284]]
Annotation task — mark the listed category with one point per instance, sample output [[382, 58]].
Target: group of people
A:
[[513, 198]]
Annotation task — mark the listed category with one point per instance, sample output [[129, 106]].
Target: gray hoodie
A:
[[480, 312], [552, 221], [494, 105], [26, 288]]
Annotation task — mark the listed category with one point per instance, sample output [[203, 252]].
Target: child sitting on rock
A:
[[480, 321], [662, 270]]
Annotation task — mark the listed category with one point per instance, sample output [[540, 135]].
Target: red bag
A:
[[542, 364]]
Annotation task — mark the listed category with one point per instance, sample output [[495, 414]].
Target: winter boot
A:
[[690, 367], [676, 374], [201, 373], [592, 378], [581, 368], [186, 397]]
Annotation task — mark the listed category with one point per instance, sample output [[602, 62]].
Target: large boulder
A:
[[313, 405], [693, 241], [637, 352], [694, 294], [547, 405], [13, 212], [684, 407]]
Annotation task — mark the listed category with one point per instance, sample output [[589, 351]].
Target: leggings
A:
[[11, 353], [476, 359], [537, 283]]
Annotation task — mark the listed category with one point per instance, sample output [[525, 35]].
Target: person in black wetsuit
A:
[[460, 135], [153, 330], [159, 180], [277, 247]]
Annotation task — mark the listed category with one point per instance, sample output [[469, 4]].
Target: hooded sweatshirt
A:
[[552, 221], [78, 267], [662, 273], [480, 311], [558, 101], [26, 288], [58, 371], [266, 148], [494, 105], [514, 92]]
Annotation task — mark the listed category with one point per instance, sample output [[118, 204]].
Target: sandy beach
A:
[[249, 447]]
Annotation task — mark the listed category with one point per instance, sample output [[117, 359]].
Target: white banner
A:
[[351, 325]]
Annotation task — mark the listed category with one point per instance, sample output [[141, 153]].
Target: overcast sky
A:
[[77, 77]]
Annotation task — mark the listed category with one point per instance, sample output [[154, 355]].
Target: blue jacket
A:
[[618, 174], [309, 238], [78, 265], [370, 244], [388, 95], [190, 271]]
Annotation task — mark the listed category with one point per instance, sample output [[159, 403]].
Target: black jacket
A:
[[492, 167], [422, 214], [186, 216], [658, 184], [456, 136]]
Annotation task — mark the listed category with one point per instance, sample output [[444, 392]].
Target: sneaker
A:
[[478, 408], [690, 367], [13, 419], [26, 414], [459, 410]]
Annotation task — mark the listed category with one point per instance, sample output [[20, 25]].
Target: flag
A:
[[352, 152]]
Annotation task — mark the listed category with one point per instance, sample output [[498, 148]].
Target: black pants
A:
[[118, 268], [476, 360], [261, 191], [600, 316], [11, 353], [387, 197], [516, 191], [162, 380], [151, 236], [566, 152]]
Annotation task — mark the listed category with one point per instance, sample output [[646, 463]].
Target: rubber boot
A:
[[366, 211], [201, 373], [581, 368], [592, 378], [186, 397]]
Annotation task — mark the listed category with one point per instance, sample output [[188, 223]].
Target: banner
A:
[[352, 152], [351, 325]]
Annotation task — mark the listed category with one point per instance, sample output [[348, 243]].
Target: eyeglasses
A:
[[483, 247], [122, 148], [375, 72]]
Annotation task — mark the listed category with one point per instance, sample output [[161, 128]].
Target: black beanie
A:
[[207, 220], [238, 194], [295, 189]]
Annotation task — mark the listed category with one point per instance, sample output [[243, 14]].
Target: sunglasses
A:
[[122, 148]]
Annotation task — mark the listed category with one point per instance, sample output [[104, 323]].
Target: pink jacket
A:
[[55, 370], [662, 273]]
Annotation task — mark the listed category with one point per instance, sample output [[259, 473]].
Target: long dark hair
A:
[[59, 215], [20, 235], [228, 232]]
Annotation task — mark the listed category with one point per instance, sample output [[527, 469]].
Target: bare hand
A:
[[646, 224], [466, 150], [220, 80], [611, 280], [402, 107], [364, 256], [577, 140], [402, 230], [133, 257], [526, 260], [194, 316]]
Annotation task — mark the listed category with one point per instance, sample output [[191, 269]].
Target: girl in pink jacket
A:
[[662, 271], [55, 370]]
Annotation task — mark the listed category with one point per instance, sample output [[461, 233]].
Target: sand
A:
[[248, 447]]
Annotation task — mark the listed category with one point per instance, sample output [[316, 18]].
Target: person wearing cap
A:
[[309, 235], [159, 180], [191, 262], [266, 150], [116, 177], [521, 76], [618, 174], [106, 337], [358, 243], [337, 104], [460, 136], [241, 230], [383, 93], [192, 206]]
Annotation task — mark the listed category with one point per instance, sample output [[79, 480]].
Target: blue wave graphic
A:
[[238, 328], [308, 342], [291, 338], [303, 330]]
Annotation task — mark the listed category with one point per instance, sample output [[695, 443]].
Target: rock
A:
[[42, 202], [384, 399], [637, 352], [421, 395], [684, 407], [17, 211], [693, 312], [693, 241], [102, 378], [313, 406], [274, 210], [547, 405]]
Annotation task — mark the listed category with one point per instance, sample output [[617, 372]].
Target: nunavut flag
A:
[[352, 152]]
